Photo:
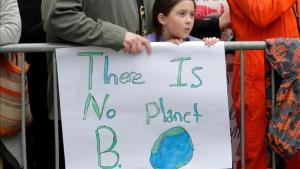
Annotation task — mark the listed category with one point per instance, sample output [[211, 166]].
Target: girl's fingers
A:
[[210, 41]]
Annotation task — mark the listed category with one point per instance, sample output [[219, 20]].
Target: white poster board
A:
[[166, 110]]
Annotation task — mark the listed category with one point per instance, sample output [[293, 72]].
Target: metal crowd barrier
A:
[[50, 47]]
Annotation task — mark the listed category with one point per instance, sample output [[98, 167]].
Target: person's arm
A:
[[10, 22], [264, 12], [66, 20]]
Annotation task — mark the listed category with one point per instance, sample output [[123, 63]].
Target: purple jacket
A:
[[152, 38]]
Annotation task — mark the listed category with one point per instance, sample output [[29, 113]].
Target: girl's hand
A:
[[176, 41], [210, 41]]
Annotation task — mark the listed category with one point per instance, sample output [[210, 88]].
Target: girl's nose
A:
[[189, 19]]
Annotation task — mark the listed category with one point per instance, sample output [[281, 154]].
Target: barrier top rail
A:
[[50, 47]]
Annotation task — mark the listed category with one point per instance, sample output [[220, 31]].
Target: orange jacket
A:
[[263, 19], [257, 20]]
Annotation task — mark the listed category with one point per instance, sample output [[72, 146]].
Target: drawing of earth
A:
[[172, 150]]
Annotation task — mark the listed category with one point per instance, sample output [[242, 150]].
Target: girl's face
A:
[[179, 22]]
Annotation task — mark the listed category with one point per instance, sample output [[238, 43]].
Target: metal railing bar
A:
[[23, 120], [34, 47], [50, 47], [249, 45], [272, 111], [55, 97]]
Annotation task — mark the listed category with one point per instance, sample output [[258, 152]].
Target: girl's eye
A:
[[181, 13]]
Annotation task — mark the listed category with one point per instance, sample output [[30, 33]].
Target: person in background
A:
[[173, 21], [212, 19], [254, 20], [40, 142], [115, 24], [10, 32], [92, 22]]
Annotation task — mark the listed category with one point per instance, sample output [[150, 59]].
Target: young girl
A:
[[173, 21]]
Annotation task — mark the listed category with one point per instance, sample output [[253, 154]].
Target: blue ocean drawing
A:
[[172, 150]]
